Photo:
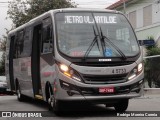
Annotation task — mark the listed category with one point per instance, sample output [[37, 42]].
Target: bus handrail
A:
[[147, 57]]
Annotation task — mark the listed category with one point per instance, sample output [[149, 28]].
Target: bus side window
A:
[[47, 36], [27, 43], [8, 46], [19, 43], [15, 48]]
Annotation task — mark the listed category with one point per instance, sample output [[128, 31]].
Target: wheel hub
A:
[[18, 92]]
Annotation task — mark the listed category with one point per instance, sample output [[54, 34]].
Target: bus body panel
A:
[[63, 93], [22, 72], [7, 63], [66, 93], [47, 72], [66, 88]]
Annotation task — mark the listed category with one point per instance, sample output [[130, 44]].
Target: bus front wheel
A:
[[54, 105], [122, 105]]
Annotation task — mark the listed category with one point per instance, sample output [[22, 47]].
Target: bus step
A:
[[39, 97]]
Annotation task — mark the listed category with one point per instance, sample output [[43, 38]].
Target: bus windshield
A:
[[82, 32]]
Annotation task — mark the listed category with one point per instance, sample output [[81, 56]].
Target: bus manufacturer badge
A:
[[104, 60]]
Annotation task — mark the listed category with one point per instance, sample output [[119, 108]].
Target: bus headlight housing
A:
[[136, 71], [64, 68], [69, 72]]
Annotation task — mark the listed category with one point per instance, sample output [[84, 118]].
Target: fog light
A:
[[132, 76], [76, 78]]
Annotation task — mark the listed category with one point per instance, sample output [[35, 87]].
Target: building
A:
[[144, 16]]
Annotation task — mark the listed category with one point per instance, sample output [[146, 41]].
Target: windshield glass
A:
[[77, 31]]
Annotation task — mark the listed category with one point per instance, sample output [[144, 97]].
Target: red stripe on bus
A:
[[47, 74]]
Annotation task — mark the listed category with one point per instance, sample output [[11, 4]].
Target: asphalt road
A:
[[81, 111]]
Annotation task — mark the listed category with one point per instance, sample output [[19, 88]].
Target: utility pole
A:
[[124, 6]]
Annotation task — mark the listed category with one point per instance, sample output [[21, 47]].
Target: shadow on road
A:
[[4, 93], [75, 109]]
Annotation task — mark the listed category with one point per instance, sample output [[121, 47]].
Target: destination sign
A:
[[90, 20]]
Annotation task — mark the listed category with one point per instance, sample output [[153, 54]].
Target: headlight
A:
[[140, 67], [64, 67], [136, 71], [69, 72]]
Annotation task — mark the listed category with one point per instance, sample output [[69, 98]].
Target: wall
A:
[[151, 30], [148, 31]]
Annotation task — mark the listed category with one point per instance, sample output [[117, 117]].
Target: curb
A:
[[151, 91]]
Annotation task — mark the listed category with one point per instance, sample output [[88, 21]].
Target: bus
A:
[[75, 54]]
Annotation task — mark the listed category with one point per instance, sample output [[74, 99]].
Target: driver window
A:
[[47, 36]]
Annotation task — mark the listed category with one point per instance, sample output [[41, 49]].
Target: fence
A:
[[152, 71]]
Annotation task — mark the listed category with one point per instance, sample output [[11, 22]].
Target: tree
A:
[[2, 49], [21, 11], [152, 66], [2, 65]]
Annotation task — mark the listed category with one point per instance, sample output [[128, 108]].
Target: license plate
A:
[[106, 90]]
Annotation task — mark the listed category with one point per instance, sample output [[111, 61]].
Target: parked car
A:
[[3, 84]]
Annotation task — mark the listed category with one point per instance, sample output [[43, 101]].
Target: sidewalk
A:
[[151, 93]]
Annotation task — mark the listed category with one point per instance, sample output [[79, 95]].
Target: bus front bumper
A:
[[70, 92]]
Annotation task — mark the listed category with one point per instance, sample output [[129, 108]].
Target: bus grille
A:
[[103, 64], [104, 79]]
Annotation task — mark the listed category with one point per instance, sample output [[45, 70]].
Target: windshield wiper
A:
[[92, 44], [111, 43]]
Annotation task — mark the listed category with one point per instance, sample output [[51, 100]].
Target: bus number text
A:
[[119, 71]]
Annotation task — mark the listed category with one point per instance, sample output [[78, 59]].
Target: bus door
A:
[[35, 60], [46, 60], [11, 55]]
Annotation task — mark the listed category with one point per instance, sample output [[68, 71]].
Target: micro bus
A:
[[75, 54]]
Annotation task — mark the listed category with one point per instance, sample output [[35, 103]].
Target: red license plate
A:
[[106, 90]]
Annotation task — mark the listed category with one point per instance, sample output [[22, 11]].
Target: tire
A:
[[20, 97], [122, 105], [49, 99], [57, 107], [54, 105]]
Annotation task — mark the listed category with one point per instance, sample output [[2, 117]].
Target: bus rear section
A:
[[9, 63], [98, 59]]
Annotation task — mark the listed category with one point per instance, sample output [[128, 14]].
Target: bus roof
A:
[[84, 9], [63, 10]]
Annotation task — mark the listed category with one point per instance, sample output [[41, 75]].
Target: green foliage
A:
[[2, 65], [152, 67], [3, 44], [17, 12], [150, 38], [2, 60], [154, 50], [21, 12], [151, 46]]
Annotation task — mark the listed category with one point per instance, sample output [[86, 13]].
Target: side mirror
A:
[[146, 42]]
